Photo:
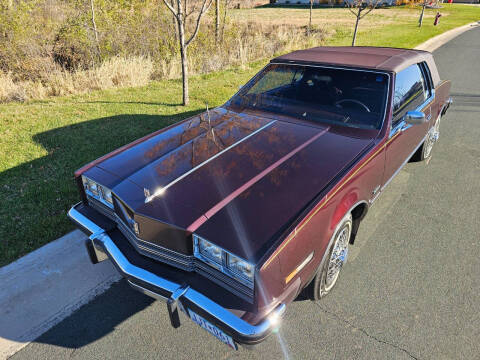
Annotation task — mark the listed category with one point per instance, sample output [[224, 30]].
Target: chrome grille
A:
[[101, 208], [156, 252], [172, 258], [221, 279]]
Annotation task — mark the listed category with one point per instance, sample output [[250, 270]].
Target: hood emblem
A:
[[146, 192]]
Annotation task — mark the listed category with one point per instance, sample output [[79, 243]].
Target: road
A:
[[411, 289]]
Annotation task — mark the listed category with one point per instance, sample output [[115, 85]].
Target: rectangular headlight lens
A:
[[240, 267], [210, 251], [107, 195], [90, 185], [97, 191], [224, 261]]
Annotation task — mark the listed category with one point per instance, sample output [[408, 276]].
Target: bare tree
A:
[[183, 10], [310, 21], [225, 8], [174, 21], [217, 21], [94, 26], [420, 20], [360, 8]]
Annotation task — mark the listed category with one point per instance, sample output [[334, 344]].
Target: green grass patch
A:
[[43, 142], [407, 34]]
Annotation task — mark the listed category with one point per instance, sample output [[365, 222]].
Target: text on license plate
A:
[[212, 329]]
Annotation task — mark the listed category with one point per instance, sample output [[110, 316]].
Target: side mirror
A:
[[415, 118]]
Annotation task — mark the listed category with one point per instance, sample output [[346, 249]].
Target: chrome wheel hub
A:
[[432, 137], [338, 256]]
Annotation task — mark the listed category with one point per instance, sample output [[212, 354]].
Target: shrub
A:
[[49, 47], [10, 91]]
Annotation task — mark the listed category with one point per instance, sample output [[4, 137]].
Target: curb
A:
[[37, 291], [439, 40]]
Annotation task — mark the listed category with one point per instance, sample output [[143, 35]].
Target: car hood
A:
[[233, 178]]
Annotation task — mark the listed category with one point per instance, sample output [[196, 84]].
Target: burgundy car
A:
[[228, 215]]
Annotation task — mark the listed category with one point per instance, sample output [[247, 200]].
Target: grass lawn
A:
[[43, 142], [392, 26]]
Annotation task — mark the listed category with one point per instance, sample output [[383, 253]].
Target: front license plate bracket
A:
[[173, 304], [212, 329]]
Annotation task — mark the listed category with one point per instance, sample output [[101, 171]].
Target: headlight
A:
[[97, 191], [210, 251], [240, 267], [107, 195], [222, 260], [90, 185]]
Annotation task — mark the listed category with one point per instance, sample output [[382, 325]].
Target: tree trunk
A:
[[224, 19], [183, 54], [184, 59], [217, 21], [356, 26], [310, 21], [174, 20], [420, 21], [94, 25]]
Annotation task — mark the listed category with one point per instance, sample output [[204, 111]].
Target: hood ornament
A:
[[146, 192]]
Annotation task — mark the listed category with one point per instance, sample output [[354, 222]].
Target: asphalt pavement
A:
[[411, 288]]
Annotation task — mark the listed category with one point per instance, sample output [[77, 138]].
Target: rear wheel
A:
[[336, 257], [425, 151]]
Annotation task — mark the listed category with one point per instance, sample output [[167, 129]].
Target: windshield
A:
[[321, 94]]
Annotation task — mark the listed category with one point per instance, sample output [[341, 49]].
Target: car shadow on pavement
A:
[[97, 318], [101, 316]]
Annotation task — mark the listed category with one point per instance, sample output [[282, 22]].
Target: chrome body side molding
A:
[[397, 171]]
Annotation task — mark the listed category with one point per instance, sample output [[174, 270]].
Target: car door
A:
[[413, 92]]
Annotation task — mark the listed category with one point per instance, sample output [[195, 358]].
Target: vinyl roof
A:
[[388, 59]]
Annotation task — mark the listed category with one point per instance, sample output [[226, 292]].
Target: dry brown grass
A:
[[9, 90], [114, 72], [243, 43]]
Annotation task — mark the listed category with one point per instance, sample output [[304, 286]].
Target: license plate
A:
[[212, 329]]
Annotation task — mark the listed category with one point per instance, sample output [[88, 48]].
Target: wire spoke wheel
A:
[[431, 139], [338, 256]]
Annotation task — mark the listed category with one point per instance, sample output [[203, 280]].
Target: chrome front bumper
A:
[[101, 247]]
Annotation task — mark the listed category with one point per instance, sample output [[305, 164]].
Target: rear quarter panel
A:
[[442, 93]]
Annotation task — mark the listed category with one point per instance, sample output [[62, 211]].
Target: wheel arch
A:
[[358, 213]]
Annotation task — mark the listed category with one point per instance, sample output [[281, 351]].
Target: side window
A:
[[427, 80], [409, 91]]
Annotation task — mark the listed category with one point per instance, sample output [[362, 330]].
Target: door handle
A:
[[404, 127]]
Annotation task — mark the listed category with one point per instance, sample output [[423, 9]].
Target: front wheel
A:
[[336, 257]]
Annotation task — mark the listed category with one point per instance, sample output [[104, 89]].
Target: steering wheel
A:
[[339, 102]]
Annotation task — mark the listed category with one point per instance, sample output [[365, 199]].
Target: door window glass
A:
[[409, 91]]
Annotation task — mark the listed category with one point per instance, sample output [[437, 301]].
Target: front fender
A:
[[346, 204]]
